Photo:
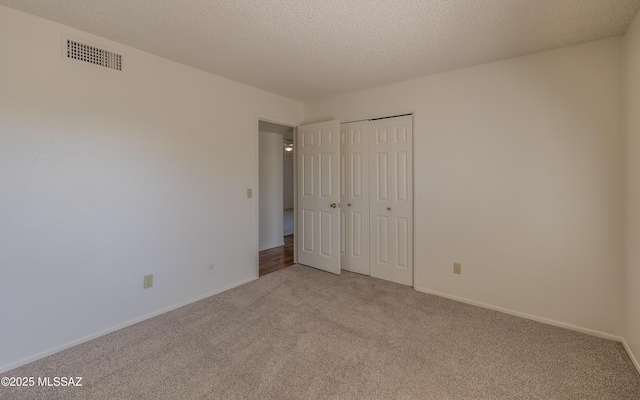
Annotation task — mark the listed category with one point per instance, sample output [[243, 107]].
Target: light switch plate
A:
[[249, 193]]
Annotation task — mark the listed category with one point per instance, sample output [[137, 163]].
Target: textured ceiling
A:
[[306, 49]]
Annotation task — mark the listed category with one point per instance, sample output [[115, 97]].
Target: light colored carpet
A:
[[300, 333], [288, 222]]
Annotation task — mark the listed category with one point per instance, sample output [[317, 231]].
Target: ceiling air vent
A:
[[93, 55]]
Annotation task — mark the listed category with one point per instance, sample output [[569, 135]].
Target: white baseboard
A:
[[271, 246], [633, 358], [588, 331], [576, 328], [26, 360]]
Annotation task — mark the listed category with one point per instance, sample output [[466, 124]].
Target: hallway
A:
[[277, 258]]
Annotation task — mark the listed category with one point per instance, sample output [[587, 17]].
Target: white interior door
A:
[[391, 202], [319, 195], [356, 200]]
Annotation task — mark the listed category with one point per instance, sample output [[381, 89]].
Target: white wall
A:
[[106, 177], [287, 171], [517, 177], [271, 188], [632, 188]]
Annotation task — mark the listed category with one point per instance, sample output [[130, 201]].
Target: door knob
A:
[[333, 205], [349, 204], [389, 208]]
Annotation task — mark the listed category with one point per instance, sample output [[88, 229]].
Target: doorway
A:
[[334, 167], [276, 206]]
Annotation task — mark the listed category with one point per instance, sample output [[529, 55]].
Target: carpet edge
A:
[[57, 349], [520, 314]]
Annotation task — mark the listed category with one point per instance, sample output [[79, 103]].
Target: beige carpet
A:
[[304, 334]]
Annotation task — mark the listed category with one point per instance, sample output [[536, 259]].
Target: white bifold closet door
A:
[[377, 198], [391, 199], [354, 199]]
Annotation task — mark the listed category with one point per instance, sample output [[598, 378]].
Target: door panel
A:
[[318, 196], [356, 175], [326, 175], [391, 204], [308, 232], [326, 230], [402, 242], [382, 234], [356, 242], [307, 175], [382, 177], [401, 184]]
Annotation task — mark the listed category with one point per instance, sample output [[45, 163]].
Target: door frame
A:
[[266, 118], [256, 192]]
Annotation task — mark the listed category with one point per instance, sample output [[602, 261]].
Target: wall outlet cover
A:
[[457, 268], [211, 269], [148, 281]]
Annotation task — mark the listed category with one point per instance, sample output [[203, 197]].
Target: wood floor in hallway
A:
[[277, 258]]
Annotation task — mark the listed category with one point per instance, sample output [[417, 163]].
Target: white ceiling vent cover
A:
[[93, 55]]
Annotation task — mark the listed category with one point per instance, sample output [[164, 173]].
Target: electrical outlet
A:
[[211, 268], [148, 281], [457, 268]]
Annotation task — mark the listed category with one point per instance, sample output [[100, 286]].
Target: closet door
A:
[[391, 200], [356, 201]]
